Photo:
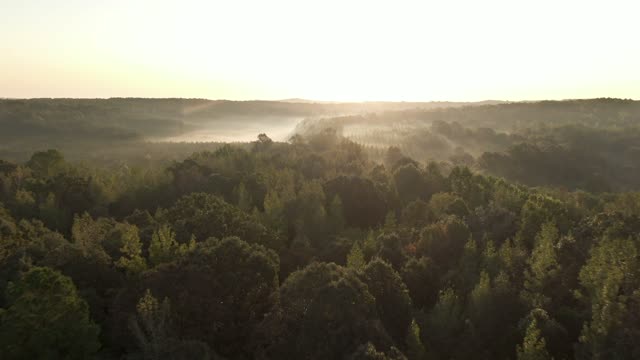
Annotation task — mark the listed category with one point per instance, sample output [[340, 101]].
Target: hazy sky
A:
[[324, 49]]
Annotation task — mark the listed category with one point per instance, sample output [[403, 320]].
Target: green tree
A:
[[493, 310], [46, 319], [416, 213], [533, 346], [535, 212], [557, 339], [88, 233], [442, 204], [355, 258], [415, 348], [443, 325], [444, 241], [131, 259], [364, 205], [409, 183], [392, 299], [420, 276], [369, 352], [219, 292], [370, 246], [610, 280], [544, 268], [391, 250], [151, 326], [205, 215], [164, 248], [46, 163], [153, 329], [326, 312]]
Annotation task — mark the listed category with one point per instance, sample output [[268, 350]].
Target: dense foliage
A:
[[310, 249]]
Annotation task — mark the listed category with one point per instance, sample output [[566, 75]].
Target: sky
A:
[[345, 50]]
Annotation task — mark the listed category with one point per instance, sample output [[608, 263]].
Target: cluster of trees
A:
[[310, 250], [589, 145]]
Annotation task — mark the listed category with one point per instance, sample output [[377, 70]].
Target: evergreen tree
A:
[[355, 258], [543, 267], [533, 346], [415, 348], [151, 326]]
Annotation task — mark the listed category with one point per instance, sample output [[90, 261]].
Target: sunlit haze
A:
[[324, 50]]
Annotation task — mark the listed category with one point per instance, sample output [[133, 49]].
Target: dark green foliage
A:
[[153, 329], [46, 163], [204, 216], [409, 183], [417, 214], [326, 312], [555, 335], [369, 352], [392, 299], [363, 204], [442, 204], [443, 325], [533, 347], [421, 277], [219, 293], [391, 250], [46, 319], [444, 241]]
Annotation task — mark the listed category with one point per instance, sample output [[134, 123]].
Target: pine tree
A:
[[543, 267], [355, 258], [533, 346], [415, 348], [151, 326], [370, 246]]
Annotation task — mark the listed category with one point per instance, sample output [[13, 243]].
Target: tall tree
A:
[[544, 268], [533, 346], [392, 299], [610, 280]]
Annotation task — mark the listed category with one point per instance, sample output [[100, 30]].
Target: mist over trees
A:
[[493, 231]]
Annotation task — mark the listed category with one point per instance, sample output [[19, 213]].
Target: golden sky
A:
[[325, 50]]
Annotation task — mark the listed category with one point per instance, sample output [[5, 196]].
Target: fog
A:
[[237, 129]]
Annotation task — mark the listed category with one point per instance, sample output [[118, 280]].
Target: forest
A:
[[395, 231]]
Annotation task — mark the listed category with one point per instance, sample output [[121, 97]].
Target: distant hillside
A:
[[62, 120]]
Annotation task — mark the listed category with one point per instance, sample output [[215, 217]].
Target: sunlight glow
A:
[[325, 50]]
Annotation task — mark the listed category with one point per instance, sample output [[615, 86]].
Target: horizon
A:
[[318, 101]]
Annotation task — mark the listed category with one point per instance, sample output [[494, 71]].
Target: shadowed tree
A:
[[219, 293], [533, 346], [326, 312], [392, 299], [46, 319]]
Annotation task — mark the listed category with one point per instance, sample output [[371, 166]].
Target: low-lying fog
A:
[[237, 129]]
